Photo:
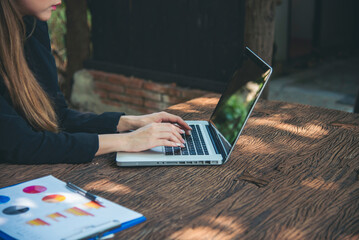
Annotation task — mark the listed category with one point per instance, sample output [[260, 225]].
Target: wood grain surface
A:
[[294, 174]]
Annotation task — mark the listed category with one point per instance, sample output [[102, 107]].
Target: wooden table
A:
[[293, 175]]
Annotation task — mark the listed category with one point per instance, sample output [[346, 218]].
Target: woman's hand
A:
[[152, 135], [153, 130], [134, 122], [144, 138]]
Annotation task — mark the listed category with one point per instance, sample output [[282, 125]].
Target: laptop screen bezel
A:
[[263, 65]]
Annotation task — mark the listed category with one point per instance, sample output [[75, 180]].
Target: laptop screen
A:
[[239, 98]]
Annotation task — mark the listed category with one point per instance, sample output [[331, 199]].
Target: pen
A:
[[81, 191]]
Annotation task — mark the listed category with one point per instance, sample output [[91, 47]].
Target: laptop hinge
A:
[[216, 142]]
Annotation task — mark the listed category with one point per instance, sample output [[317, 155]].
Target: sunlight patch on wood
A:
[[207, 100], [291, 233], [111, 187], [254, 144], [220, 228], [202, 232], [229, 223], [184, 107], [320, 184], [309, 130], [191, 106]]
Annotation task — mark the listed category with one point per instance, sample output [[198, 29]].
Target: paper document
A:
[[45, 208]]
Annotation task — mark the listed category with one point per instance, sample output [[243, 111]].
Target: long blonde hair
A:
[[27, 96]]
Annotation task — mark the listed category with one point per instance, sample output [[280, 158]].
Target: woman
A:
[[36, 125]]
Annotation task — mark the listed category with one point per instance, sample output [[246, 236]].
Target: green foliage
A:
[[57, 30], [233, 113]]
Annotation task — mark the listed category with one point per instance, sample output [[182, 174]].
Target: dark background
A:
[[192, 42]]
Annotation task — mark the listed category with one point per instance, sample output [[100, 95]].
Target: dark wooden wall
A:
[[199, 39]]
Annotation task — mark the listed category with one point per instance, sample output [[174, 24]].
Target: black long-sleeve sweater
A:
[[78, 140]]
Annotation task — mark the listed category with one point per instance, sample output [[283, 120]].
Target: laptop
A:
[[211, 142]]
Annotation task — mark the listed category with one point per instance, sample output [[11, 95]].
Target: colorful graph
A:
[[55, 216], [14, 210], [93, 204], [78, 212], [37, 222], [4, 199], [53, 198], [34, 189]]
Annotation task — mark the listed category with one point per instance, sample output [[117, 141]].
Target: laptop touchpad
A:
[[155, 150]]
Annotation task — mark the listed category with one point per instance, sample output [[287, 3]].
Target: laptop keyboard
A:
[[194, 144]]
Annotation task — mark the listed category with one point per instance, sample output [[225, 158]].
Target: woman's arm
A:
[[157, 129], [19, 143], [74, 121]]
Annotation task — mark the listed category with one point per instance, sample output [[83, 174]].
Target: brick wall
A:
[[135, 95]]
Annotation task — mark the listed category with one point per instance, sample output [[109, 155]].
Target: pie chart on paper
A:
[[34, 189], [53, 198], [15, 210], [4, 199]]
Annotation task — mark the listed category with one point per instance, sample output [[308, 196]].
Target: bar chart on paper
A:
[[78, 212]]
